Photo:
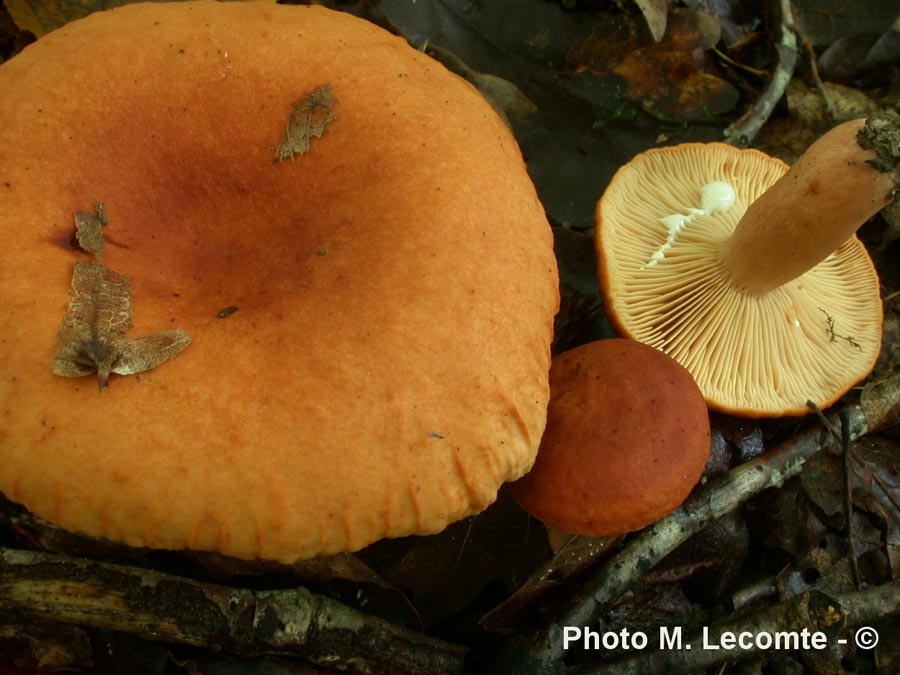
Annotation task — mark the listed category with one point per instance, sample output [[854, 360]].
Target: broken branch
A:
[[744, 130], [290, 622]]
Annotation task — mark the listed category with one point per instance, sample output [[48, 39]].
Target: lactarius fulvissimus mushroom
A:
[[349, 236], [627, 439], [749, 274]]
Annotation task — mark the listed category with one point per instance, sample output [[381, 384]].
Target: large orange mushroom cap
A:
[[386, 369], [627, 439]]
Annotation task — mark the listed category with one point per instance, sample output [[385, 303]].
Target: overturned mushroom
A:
[[748, 274], [387, 370]]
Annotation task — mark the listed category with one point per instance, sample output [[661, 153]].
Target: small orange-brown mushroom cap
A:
[[627, 439], [386, 369]]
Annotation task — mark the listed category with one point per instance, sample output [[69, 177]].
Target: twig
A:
[[793, 622], [744, 130], [880, 401], [543, 650], [848, 501], [737, 64], [817, 78], [823, 419], [288, 623], [758, 590], [846, 449]]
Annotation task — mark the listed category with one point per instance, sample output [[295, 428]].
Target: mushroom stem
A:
[[841, 181]]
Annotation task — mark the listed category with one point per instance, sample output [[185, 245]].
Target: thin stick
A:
[[288, 623], [846, 446], [817, 79], [744, 130], [737, 64], [824, 420]]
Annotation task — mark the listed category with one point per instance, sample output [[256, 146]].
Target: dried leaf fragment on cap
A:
[[89, 231], [309, 118], [93, 334]]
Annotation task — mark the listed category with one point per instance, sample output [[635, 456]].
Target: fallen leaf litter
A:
[[93, 334]]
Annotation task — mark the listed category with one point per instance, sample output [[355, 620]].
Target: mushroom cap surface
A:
[[627, 439], [386, 368], [752, 355]]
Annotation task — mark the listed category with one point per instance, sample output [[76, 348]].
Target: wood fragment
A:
[[847, 450], [287, 623], [743, 131]]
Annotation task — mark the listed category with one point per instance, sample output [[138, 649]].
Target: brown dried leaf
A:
[[446, 573], [34, 645], [666, 77], [811, 111], [709, 561], [875, 480], [309, 118], [612, 36], [505, 98], [786, 519], [99, 314], [876, 488], [137, 355], [93, 333], [89, 231], [579, 554], [40, 17]]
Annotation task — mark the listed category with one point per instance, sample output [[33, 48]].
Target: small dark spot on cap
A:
[[225, 312]]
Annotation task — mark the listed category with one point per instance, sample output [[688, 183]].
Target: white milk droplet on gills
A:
[[717, 196]]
